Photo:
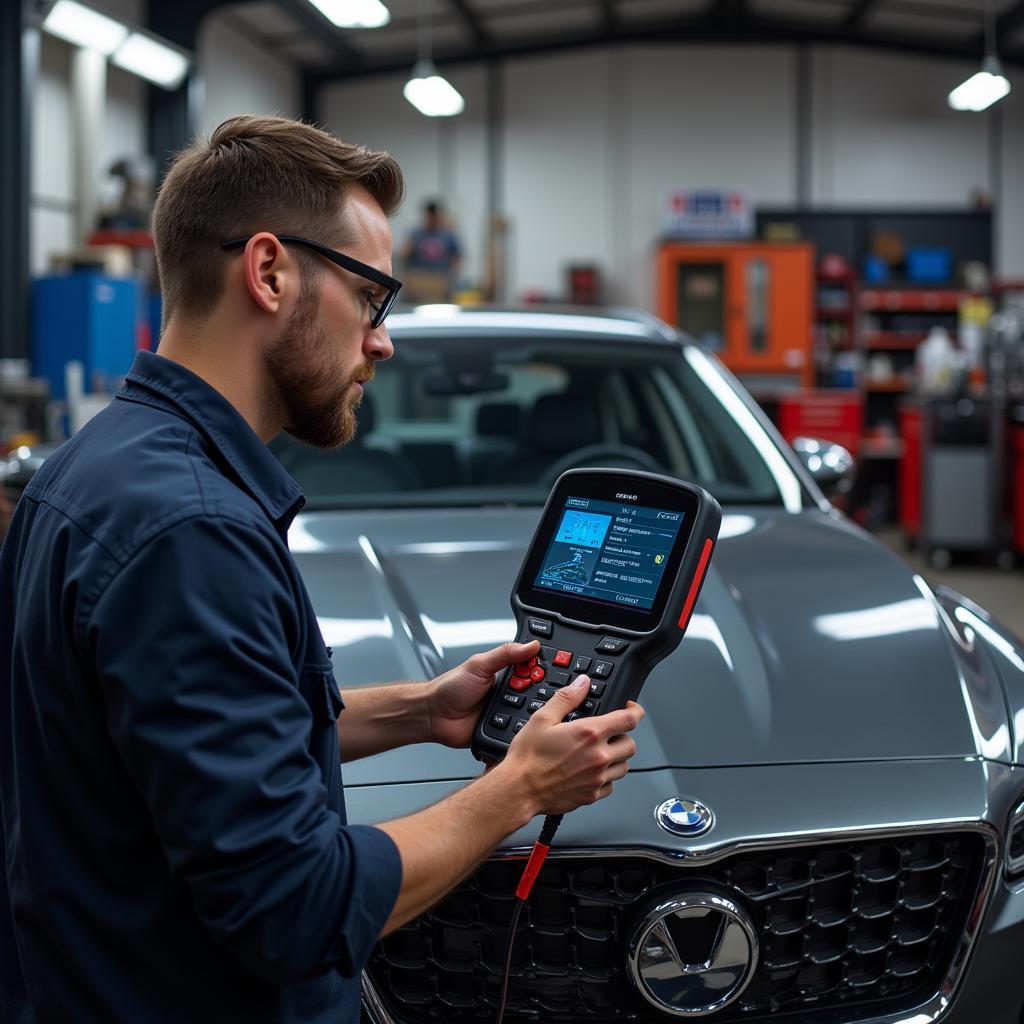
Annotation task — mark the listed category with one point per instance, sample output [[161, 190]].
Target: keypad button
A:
[[517, 684], [539, 627], [537, 675], [589, 707], [596, 689], [543, 693], [563, 659], [581, 663], [522, 671], [557, 677], [499, 721], [520, 722], [612, 645], [546, 654], [514, 700], [572, 716], [601, 669], [534, 705]]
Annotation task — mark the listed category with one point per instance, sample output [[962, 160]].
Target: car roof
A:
[[587, 323]]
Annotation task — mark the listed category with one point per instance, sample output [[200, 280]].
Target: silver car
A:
[[823, 820]]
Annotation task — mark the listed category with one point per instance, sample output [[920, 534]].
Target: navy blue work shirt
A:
[[175, 846]]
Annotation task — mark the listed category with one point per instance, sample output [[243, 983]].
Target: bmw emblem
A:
[[683, 816]]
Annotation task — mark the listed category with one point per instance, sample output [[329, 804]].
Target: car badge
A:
[[683, 816], [693, 953]]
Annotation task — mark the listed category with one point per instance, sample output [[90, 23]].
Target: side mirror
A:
[[831, 465]]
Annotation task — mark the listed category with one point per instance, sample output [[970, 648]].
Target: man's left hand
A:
[[457, 697]]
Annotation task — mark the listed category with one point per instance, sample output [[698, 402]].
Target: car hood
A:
[[810, 641]]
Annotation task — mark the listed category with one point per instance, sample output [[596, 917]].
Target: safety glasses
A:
[[364, 270]]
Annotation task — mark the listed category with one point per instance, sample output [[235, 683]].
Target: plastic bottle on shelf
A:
[[934, 361]]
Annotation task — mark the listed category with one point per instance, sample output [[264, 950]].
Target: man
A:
[[431, 255], [175, 843]]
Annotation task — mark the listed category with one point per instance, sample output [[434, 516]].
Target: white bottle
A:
[[934, 360]]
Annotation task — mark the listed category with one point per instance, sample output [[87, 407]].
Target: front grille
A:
[[851, 930]]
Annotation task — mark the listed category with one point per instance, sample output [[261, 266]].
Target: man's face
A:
[[327, 350]]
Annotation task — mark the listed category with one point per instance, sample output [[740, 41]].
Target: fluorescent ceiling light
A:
[[981, 90], [353, 13], [431, 94], [85, 27], [152, 60]]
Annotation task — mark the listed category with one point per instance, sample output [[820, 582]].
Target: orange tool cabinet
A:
[[751, 302]]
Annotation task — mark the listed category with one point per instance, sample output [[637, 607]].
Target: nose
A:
[[377, 344]]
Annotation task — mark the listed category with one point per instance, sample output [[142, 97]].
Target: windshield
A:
[[483, 420]]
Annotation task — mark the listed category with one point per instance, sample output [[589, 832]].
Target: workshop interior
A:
[[708, 375]]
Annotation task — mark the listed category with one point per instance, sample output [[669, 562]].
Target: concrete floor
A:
[[998, 591]]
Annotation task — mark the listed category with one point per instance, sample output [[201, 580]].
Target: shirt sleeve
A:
[[192, 642]]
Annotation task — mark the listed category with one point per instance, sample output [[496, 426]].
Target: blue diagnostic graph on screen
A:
[[583, 528]]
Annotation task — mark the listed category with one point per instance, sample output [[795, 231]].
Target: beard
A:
[[317, 406]]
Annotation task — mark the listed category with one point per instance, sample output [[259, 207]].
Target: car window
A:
[[484, 421]]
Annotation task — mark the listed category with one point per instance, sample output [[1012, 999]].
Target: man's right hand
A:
[[567, 764]]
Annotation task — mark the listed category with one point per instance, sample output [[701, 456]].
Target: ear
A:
[[271, 275]]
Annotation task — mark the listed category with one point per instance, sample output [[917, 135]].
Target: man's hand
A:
[[564, 765], [457, 697]]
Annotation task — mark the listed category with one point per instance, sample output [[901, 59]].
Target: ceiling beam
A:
[[1009, 20], [858, 13], [609, 17], [700, 29], [470, 22], [729, 12], [324, 31]]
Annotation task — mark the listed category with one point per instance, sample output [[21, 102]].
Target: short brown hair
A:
[[255, 174]]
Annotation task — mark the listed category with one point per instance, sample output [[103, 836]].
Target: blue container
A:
[[931, 265], [875, 270], [88, 317]]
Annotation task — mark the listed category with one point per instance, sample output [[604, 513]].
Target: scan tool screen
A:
[[610, 552]]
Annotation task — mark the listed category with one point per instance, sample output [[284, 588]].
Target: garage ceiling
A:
[[465, 30]]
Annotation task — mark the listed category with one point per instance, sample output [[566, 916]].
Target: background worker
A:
[[431, 256]]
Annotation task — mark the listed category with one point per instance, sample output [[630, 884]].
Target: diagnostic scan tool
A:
[[607, 586]]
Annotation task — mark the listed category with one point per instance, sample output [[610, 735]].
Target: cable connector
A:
[[538, 856], [532, 869]]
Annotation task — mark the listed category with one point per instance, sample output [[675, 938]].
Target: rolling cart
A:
[[951, 478]]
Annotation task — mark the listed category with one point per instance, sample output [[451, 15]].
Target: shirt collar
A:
[[172, 386]]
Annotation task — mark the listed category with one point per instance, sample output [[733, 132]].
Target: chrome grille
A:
[[854, 930]]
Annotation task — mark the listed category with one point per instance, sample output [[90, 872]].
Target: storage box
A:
[[931, 265], [86, 317]]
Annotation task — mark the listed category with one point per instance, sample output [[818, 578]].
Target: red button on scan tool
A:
[[517, 684], [563, 659], [537, 675]]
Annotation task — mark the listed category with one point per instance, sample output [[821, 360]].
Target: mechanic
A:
[[175, 842], [431, 257]]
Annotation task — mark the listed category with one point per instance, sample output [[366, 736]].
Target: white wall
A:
[[52, 213], [884, 133], [699, 117], [240, 77], [592, 139]]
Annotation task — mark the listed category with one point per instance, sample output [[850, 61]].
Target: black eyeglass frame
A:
[[393, 285]]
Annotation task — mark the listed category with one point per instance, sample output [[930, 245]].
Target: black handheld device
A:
[[607, 586]]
